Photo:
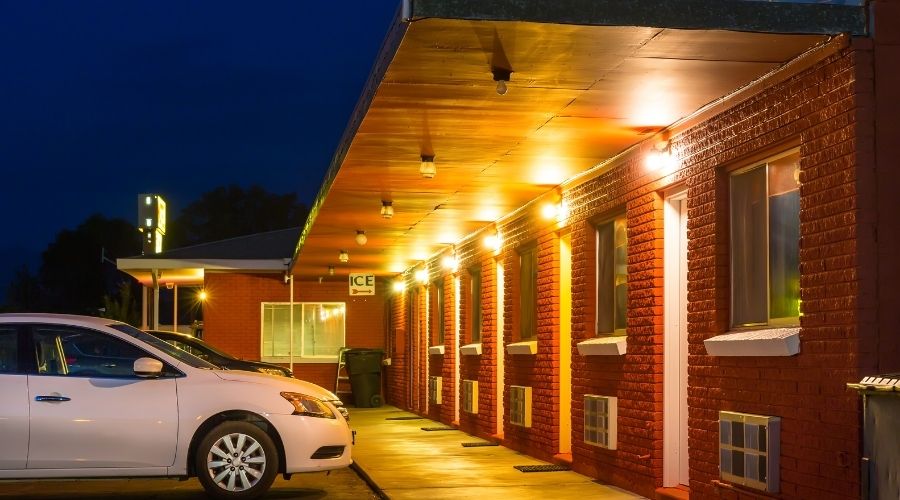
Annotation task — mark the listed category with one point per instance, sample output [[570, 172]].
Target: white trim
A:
[[225, 264], [768, 342], [471, 349], [603, 346], [436, 349], [527, 347]]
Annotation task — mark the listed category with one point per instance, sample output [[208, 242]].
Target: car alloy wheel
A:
[[237, 460]]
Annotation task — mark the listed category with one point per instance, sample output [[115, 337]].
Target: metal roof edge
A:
[[735, 15]]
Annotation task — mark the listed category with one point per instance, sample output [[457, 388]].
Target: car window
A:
[[9, 350], [163, 346], [79, 352]]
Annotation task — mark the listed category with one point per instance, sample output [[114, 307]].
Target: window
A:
[[475, 300], [528, 293], [612, 277], [520, 405], [765, 243], [438, 313], [77, 352], [318, 330], [9, 350], [470, 396]]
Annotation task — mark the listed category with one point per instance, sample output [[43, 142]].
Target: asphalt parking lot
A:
[[340, 484]]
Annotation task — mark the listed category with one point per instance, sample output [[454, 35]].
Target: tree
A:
[[24, 292], [229, 211], [73, 278], [121, 308]]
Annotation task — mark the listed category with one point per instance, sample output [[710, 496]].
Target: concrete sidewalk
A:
[[403, 461]]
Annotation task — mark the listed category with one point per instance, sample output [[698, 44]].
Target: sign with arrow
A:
[[362, 284]]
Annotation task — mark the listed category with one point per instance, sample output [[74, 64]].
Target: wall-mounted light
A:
[[558, 211], [427, 168], [661, 158], [387, 209], [450, 262], [343, 256], [361, 238], [202, 295], [422, 276], [330, 270], [501, 76], [399, 285], [493, 242]]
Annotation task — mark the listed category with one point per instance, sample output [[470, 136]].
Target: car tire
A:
[[236, 460]]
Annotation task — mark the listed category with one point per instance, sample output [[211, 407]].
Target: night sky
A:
[[102, 100]]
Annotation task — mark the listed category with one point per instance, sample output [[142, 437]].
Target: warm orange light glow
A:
[[399, 285], [202, 295], [422, 276]]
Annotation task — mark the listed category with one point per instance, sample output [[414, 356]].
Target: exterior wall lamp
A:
[[387, 209], [343, 256]]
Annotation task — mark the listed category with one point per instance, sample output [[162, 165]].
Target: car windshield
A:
[[199, 344], [163, 346]]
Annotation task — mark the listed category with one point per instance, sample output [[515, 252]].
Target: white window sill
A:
[[471, 350], [768, 342], [603, 346], [528, 347], [436, 349]]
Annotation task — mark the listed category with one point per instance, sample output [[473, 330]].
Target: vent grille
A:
[[435, 389], [470, 396], [749, 447], [600, 417], [520, 405]]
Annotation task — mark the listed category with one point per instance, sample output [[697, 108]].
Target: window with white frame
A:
[[612, 277], [475, 301], [528, 293], [765, 243], [749, 449], [438, 312], [318, 329]]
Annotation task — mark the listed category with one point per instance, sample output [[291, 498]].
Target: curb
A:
[[365, 477]]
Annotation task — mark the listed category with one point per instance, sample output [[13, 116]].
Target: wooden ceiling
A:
[[578, 95]]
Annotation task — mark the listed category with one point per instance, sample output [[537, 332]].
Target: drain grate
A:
[[405, 418], [438, 428], [541, 468], [479, 443]]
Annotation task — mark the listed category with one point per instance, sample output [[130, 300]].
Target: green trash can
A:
[[364, 367]]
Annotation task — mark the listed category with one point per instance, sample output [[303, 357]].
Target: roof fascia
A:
[[734, 15]]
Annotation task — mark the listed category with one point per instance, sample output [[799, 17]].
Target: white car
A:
[[85, 397]]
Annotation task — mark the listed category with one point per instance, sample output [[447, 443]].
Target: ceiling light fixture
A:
[[427, 168], [330, 270], [387, 209], [343, 256], [501, 76], [361, 238]]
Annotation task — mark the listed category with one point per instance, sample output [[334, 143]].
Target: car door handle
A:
[[52, 398]]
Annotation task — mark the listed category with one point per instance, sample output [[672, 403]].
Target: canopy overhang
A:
[[589, 80]]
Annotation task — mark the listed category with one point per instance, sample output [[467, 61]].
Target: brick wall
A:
[[232, 319], [826, 111]]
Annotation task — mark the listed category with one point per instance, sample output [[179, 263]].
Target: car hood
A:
[[283, 383]]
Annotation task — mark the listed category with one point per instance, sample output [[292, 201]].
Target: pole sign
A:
[[362, 284]]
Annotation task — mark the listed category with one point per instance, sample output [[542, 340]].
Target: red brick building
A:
[[653, 240]]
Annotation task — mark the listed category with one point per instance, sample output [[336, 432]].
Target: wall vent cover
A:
[[520, 405], [470, 396], [435, 389], [749, 447], [600, 417]]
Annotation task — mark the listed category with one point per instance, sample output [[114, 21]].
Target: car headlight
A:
[[307, 405], [270, 371], [339, 405]]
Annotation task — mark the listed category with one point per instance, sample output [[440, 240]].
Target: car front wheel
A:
[[236, 460]]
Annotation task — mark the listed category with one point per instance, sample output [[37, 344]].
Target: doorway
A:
[[676, 470]]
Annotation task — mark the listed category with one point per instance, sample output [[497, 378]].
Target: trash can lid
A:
[[878, 383]]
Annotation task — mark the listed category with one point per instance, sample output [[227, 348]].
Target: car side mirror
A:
[[148, 367]]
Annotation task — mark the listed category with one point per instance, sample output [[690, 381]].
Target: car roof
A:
[[56, 318]]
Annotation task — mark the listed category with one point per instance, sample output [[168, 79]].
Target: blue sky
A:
[[103, 100]]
